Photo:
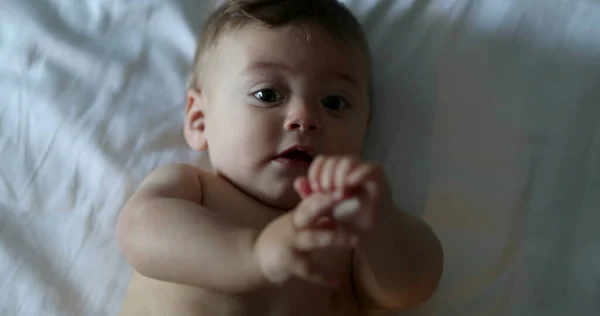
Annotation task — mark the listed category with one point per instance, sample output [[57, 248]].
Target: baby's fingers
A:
[[302, 187], [363, 174], [312, 208], [306, 269], [310, 240], [314, 173]]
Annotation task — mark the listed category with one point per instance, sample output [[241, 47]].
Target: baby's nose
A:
[[303, 124]]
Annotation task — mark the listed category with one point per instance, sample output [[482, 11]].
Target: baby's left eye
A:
[[334, 103]]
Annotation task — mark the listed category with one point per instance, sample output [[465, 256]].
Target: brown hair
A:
[[328, 16]]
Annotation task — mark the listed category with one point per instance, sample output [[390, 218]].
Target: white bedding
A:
[[487, 116]]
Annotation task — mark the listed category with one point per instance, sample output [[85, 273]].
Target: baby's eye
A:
[[334, 103], [268, 95]]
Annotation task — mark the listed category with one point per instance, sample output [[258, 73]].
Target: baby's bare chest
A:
[[151, 297]]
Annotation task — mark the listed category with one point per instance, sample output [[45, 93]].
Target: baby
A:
[[290, 221]]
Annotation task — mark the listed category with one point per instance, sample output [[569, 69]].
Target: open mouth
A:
[[296, 156]]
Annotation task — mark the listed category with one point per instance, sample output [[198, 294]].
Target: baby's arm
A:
[[398, 261], [166, 234], [399, 264]]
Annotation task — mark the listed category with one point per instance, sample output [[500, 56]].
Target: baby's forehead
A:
[[258, 47]]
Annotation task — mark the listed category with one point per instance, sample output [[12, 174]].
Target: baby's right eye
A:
[[268, 95]]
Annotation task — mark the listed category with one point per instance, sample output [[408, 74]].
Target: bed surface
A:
[[487, 118]]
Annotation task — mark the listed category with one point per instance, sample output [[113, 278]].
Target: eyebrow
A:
[[259, 65], [344, 77], [262, 65]]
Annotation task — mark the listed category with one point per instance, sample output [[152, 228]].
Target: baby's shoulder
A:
[[210, 190], [176, 181], [179, 172], [189, 181], [175, 171]]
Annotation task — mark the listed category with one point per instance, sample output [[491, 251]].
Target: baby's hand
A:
[[283, 251], [361, 185]]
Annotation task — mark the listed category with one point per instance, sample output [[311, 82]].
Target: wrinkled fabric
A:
[[486, 120]]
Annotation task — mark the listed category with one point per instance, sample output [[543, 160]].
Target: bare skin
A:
[[149, 296]]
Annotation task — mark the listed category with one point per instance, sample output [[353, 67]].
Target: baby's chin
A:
[[285, 202], [277, 193]]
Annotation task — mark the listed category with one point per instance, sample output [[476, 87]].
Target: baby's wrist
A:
[[255, 278]]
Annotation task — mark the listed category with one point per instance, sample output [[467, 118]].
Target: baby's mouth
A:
[[296, 157]]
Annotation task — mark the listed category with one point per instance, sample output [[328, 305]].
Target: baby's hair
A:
[[326, 16]]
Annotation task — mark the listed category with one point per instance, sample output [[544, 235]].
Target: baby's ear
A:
[[195, 121]]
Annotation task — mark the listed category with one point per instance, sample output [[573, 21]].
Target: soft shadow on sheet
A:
[[490, 132]]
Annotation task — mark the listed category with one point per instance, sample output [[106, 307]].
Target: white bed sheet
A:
[[486, 119]]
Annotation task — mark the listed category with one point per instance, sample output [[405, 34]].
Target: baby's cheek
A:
[[346, 144]]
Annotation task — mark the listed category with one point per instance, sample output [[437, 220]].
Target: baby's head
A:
[[276, 82]]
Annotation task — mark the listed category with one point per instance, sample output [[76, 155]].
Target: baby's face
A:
[[268, 100]]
